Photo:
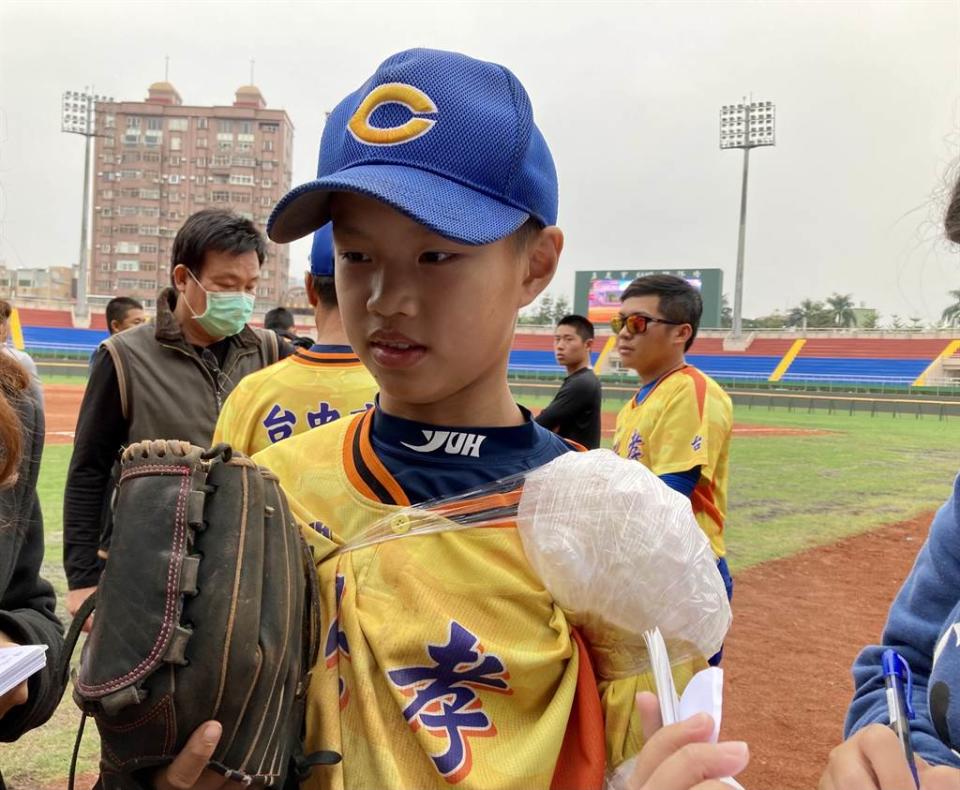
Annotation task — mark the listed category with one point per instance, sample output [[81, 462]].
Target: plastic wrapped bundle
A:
[[622, 553], [619, 551]]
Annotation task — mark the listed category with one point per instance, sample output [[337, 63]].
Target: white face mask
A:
[[227, 311]]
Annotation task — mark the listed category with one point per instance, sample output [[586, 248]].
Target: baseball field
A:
[[827, 512]]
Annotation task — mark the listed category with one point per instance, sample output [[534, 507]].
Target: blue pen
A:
[[900, 703]]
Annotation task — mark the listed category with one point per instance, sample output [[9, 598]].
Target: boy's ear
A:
[[540, 260], [308, 287]]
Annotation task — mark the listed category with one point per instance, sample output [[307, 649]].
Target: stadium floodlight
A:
[[78, 116], [746, 125]]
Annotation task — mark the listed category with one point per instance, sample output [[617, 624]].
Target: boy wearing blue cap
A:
[[445, 661], [310, 388]]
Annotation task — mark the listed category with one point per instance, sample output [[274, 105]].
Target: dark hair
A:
[[523, 235], [582, 326], [6, 310], [679, 301], [13, 382], [951, 222], [118, 307], [323, 286], [214, 230], [278, 319]]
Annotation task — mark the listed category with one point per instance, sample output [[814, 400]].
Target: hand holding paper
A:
[[680, 739], [17, 663], [678, 756], [703, 694]]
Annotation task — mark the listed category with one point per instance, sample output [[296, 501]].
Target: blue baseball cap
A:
[[321, 254], [445, 139]]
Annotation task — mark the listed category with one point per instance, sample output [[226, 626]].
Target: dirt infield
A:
[[741, 429], [61, 404], [798, 624]]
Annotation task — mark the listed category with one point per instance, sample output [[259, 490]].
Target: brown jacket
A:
[[169, 390]]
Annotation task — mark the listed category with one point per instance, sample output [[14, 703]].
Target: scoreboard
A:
[[597, 292]]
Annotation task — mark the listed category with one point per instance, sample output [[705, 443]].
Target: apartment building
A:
[[50, 284], [159, 160]]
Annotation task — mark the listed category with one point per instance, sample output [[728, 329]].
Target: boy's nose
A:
[[392, 293]]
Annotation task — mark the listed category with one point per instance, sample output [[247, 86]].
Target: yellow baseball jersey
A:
[[305, 390], [445, 662], [685, 421]]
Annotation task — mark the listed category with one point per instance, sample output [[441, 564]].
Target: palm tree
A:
[[806, 313], [841, 306], [951, 316]]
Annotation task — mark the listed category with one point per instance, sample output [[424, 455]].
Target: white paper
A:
[[703, 694], [19, 662]]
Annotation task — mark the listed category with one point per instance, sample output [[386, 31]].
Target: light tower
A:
[[746, 125], [79, 117]]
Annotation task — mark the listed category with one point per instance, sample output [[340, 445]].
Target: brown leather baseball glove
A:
[[207, 609]]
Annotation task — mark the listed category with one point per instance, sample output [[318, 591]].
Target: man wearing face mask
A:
[[166, 380]]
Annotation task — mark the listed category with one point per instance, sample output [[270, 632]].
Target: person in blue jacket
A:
[[924, 627]]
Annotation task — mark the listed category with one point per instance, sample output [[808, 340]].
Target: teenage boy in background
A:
[[574, 412], [313, 386]]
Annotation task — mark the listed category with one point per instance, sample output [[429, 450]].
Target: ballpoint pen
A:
[[899, 703]]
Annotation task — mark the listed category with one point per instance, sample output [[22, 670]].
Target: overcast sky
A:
[[627, 95]]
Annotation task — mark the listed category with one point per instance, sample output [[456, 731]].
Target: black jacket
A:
[[575, 410], [27, 602]]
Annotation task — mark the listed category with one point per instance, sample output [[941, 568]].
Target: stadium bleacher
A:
[[853, 360], [859, 359], [758, 362], [840, 360]]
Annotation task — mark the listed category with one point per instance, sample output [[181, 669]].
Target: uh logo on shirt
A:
[[451, 442]]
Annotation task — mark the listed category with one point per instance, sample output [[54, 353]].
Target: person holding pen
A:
[[924, 628]]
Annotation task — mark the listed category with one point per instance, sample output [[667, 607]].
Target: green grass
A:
[[62, 378], [787, 494], [793, 492]]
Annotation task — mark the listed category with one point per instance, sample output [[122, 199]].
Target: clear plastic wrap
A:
[[622, 553], [617, 549]]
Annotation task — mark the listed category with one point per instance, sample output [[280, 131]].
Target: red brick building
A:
[[158, 161]]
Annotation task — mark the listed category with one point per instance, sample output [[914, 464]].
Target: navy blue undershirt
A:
[[455, 460], [645, 390]]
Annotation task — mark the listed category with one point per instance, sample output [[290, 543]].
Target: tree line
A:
[[838, 311]]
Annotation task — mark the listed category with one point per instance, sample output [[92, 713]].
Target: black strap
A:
[[69, 645], [304, 763], [76, 753], [70, 641]]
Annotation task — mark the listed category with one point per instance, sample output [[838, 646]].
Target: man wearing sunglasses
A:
[[678, 423]]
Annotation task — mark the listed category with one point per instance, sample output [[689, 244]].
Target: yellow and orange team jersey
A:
[[305, 390], [685, 421], [445, 662]]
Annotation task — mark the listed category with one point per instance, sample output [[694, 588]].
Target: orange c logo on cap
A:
[[412, 98]]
